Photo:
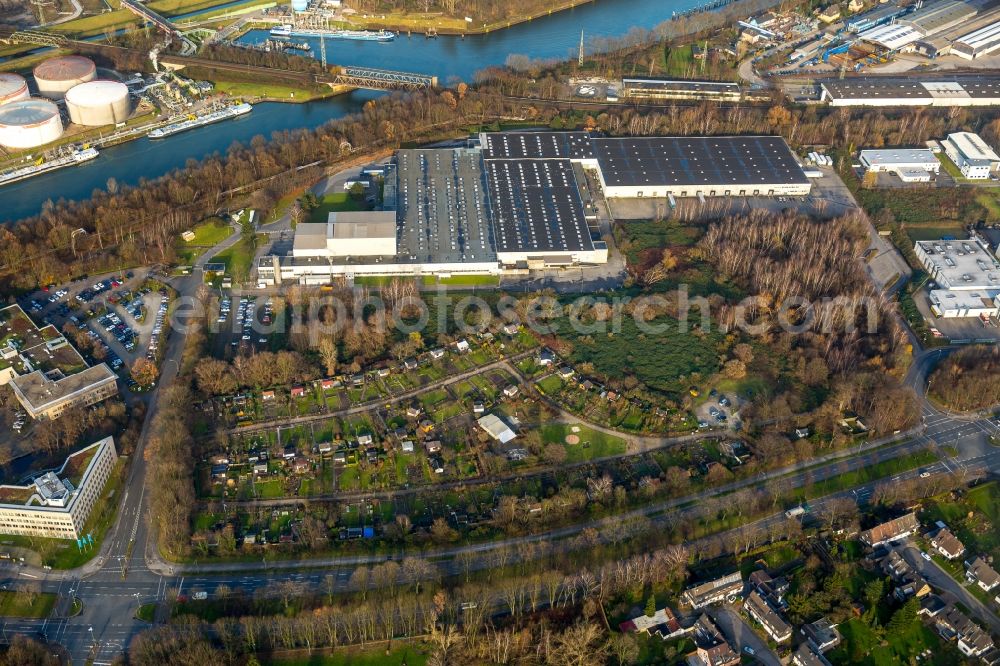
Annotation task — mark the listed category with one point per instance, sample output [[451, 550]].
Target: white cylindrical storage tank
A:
[[13, 88], [56, 76], [29, 123], [98, 103], [300, 5]]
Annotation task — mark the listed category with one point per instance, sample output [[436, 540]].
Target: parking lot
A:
[[125, 314], [957, 329], [720, 409], [242, 327]]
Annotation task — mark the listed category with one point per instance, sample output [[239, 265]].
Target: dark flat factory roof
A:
[[714, 160], [536, 206], [675, 84], [907, 88], [536, 145]]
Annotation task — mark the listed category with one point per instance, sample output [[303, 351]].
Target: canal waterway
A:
[[555, 36]]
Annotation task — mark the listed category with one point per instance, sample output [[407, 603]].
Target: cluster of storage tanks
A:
[[28, 122]]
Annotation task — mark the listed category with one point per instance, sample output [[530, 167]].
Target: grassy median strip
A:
[[858, 477]]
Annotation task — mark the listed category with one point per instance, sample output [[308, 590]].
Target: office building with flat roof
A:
[[967, 276], [56, 504], [909, 164], [890, 159], [48, 376], [960, 265], [973, 156]]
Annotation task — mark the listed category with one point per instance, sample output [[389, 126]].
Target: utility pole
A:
[[579, 60]]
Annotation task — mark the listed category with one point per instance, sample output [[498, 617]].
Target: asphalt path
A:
[[942, 580]]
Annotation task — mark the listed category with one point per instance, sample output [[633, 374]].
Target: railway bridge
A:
[[379, 79], [148, 15]]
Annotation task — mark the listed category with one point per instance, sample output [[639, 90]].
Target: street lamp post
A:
[[72, 239]]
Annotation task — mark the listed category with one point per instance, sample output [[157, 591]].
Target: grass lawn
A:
[[935, 231], [951, 168], [432, 398], [210, 232], [414, 655], [372, 280], [349, 478], [206, 235], [334, 203], [146, 612], [251, 90], [12, 605], [863, 646], [470, 281], [865, 475], [270, 489], [593, 444], [664, 359], [92, 25], [238, 259], [551, 384], [973, 519], [988, 200]]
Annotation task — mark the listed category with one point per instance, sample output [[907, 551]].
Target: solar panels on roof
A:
[[537, 206], [697, 161]]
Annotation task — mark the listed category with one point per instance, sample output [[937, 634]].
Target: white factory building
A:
[[977, 43], [912, 165], [967, 276], [973, 156], [915, 29], [519, 201], [963, 90], [348, 234]]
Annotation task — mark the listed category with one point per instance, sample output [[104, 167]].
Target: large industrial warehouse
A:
[[888, 91], [643, 87], [978, 43], [520, 201]]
